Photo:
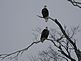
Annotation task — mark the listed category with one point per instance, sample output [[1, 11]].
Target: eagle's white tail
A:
[[46, 19], [42, 40]]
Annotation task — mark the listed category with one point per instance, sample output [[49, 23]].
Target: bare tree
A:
[[63, 40], [63, 45], [66, 42]]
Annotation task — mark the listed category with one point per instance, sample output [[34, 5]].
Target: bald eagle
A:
[[44, 34], [45, 13]]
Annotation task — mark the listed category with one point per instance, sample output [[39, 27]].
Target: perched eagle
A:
[[45, 13], [44, 34]]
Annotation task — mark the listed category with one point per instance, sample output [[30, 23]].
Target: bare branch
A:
[[63, 31], [67, 37], [50, 54], [74, 31], [75, 3], [63, 57], [3, 56], [39, 16]]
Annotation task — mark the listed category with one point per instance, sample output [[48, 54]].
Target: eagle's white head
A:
[[45, 6], [46, 27]]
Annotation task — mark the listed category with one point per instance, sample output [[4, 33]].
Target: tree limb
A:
[[68, 38], [3, 56], [74, 3]]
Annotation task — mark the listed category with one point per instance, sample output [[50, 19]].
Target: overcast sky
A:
[[18, 19]]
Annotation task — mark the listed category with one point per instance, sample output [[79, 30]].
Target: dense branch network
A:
[[69, 39], [51, 54], [73, 44], [58, 41], [75, 3]]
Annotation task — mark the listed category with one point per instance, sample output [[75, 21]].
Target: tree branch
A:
[[60, 50], [74, 3], [3, 56], [67, 37], [63, 31]]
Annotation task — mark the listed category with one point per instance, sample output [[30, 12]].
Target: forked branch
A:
[[68, 38], [75, 3]]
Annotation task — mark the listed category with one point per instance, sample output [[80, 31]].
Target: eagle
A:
[[44, 34], [45, 13]]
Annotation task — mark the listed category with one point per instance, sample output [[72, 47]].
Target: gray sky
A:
[[18, 20]]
